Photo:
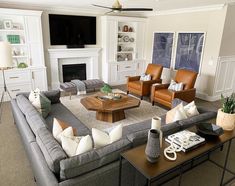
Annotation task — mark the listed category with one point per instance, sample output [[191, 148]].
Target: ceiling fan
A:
[[117, 7]]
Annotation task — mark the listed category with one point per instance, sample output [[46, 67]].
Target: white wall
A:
[[211, 22], [228, 39]]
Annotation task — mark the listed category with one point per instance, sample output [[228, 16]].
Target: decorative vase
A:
[[156, 124], [225, 120], [125, 28], [152, 150]]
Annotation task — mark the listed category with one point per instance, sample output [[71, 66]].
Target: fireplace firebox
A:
[[74, 71]]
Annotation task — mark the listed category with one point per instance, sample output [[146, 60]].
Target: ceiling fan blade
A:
[[136, 9], [102, 6]]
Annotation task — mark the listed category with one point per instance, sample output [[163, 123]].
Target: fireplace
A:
[[74, 71]]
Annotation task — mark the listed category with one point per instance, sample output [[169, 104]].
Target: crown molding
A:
[[82, 10], [188, 10], [94, 11]]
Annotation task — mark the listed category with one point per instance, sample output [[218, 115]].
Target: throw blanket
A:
[[81, 87]]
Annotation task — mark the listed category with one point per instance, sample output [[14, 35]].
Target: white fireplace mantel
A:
[[89, 56]]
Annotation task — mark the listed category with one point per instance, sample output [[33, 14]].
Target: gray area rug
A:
[[144, 112]]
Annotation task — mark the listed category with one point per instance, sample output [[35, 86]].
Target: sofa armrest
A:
[[185, 95], [133, 78], [161, 86]]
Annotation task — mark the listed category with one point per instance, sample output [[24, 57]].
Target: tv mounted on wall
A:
[[73, 31]]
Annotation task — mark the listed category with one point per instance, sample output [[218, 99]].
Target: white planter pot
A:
[[225, 120]]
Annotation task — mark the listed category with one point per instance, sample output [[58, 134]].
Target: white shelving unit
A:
[[26, 25], [123, 48]]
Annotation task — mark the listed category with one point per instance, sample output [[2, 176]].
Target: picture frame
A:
[[163, 45], [189, 50], [7, 24]]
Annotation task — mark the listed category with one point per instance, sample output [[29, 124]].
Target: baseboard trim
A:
[[206, 97]]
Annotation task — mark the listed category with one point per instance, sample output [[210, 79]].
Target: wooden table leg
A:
[[110, 116]]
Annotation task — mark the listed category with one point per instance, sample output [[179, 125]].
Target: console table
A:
[[153, 172]]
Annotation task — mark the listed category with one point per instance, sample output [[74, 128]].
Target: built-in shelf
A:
[[126, 61], [6, 30], [18, 44], [126, 32], [129, 43], [123, 52], [19, 56]]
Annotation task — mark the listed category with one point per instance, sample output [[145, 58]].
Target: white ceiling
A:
[[158, 5]]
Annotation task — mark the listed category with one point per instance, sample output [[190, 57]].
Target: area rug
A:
[[144, 112]]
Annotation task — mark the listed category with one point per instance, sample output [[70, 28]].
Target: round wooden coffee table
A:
[[109, 110]]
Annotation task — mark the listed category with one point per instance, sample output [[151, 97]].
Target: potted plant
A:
[[106, 89], [226, 116]]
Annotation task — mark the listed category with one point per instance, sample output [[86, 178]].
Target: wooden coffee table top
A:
[[137, 158], [95, 104]]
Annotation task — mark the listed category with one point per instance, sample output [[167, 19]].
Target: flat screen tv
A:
[[72, 30]]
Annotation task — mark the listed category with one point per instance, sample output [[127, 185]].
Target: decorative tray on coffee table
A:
[[110, 97]]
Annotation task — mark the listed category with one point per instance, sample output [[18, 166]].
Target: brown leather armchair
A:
[[162, 95], [143, 88]]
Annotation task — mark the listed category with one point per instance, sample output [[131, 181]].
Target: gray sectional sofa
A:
[[51, 165]]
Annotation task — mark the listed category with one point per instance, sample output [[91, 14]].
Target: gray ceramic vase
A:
[[152, 150]]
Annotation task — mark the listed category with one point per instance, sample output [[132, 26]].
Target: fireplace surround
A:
[[60, 57]]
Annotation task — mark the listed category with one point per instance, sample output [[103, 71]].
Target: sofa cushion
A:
[[33, 118], [170, 128], [83, 163], [60, 112], [52, 95], [129, 129], [50, 148], [24, 104], [140, 137], [189, 122], [164, 94]]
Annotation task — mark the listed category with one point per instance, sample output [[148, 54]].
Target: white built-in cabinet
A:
[[123, 40], [26, 25]]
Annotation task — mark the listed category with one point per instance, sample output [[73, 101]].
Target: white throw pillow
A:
[[145, 77], [75, 145], [175, 86], [180, 114], [191, 109], [102, 138], [172, 116], [57, 130], [34, 94]]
